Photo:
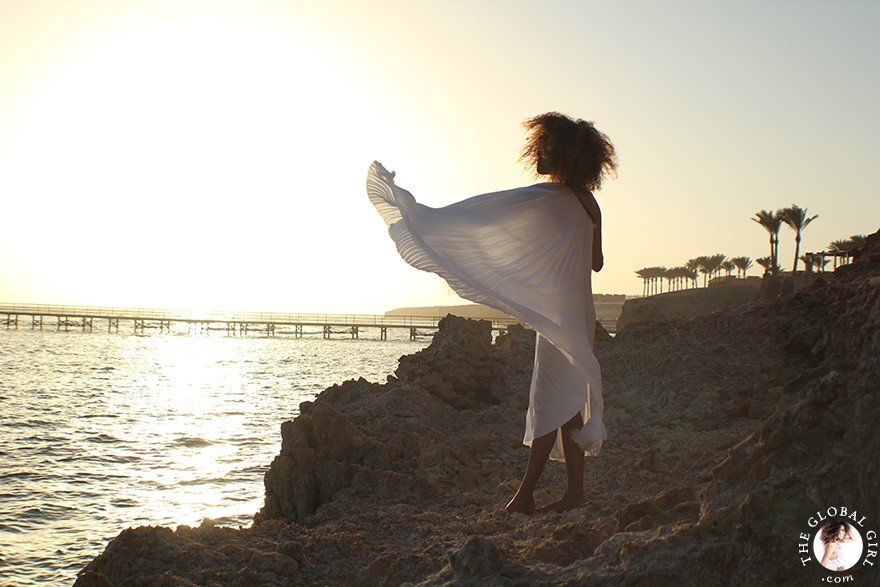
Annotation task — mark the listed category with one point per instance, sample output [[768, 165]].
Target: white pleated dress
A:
[[526, 252]]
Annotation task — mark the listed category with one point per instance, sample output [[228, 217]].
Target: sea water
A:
[[100, 432]]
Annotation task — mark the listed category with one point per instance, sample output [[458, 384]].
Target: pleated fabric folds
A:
[[526, 252]]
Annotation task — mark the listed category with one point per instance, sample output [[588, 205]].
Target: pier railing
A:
[[238, 321], [234, 322], [231, 316]]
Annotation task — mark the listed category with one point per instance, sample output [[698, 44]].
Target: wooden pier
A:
[[86, 318]]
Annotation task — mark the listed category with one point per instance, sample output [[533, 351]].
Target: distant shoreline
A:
[[481, 310], [609, 307]]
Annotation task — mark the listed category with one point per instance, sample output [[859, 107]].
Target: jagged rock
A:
[[206, 555], [800, 459], [478, 556], [666, 508], [726, 432], [92, 579], [459, 365], [603, 337], [324, 451], [316, 453]]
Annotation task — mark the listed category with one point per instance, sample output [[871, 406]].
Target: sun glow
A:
[[212, 155], [186, 158]]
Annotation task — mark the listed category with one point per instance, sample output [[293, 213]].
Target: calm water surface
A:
[[100, 432]]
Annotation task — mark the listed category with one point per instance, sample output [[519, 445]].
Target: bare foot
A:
[[523, 504], [563, 505]]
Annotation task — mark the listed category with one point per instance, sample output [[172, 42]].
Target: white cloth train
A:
[[526, 252]]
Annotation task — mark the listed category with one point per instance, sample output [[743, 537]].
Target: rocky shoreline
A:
[[726, 432], [686, 303]]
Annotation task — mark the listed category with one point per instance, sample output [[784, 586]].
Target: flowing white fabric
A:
[[526, 252]]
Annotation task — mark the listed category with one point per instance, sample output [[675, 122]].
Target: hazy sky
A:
[[213, 154]]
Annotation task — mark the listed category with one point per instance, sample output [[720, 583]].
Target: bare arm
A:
[[592, 207], [827, 556]]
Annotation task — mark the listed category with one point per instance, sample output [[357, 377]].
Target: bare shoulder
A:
[[588, 200]]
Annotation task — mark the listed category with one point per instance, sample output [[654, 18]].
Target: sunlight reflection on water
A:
[[101, 432]]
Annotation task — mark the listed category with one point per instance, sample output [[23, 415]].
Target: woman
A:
[[834, 534], [528, 252]]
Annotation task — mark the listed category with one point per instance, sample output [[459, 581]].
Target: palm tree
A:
[[845, 246], [716, 261], [675, 273], [693, 267], [742, 265], [651, 275], [693, 275], [772, 222], [679, 276], [766, 263], [643, 274], [728, 266], [659, 274], [669, 274], [857, 240], [706, 268], [796, 218], [840, 246], [654, 275], [684, 277]]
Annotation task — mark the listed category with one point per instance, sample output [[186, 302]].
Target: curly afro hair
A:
[[577, 154], [830, 530]]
